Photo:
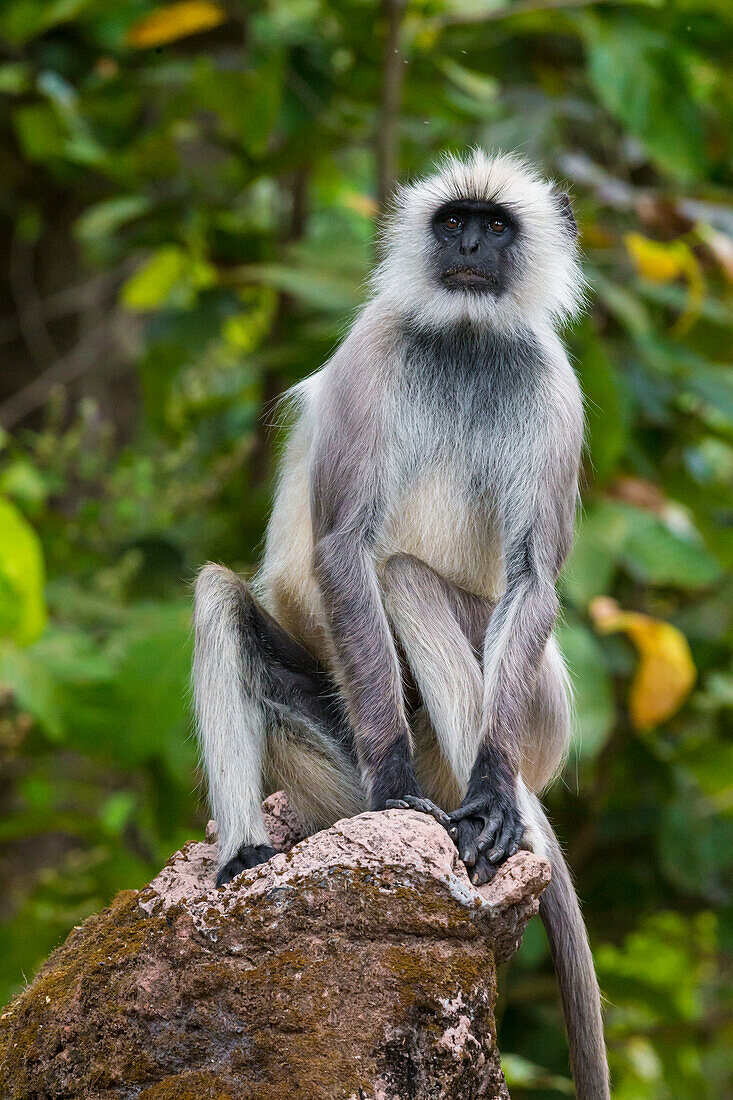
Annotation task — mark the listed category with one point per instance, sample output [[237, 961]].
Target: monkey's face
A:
[[484, 239], [473, 246]]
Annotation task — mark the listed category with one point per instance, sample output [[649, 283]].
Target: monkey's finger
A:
[[468, 810], [483, 872], [425, 806], [487, 833], [468, 832], [502, 844], [396, 804], [468, 856]]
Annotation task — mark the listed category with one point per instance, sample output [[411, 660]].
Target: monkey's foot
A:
[[422, 805], [249, 855], [486, 831]]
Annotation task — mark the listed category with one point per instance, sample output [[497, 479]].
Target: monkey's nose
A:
[[469, 245]]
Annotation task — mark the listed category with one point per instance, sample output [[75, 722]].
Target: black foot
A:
[[486, 831], [249, 855]]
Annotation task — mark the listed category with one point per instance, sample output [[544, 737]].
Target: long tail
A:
[[579, 992]]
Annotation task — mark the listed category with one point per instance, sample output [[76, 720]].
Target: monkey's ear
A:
[[566, 210]]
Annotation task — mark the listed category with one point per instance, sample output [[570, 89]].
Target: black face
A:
[[474, 252]]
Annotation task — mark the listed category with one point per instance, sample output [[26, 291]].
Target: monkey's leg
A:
[[441, 627], [264, 706]]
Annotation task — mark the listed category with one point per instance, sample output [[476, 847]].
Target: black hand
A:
[[487, 829]]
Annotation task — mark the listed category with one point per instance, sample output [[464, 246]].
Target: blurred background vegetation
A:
[[188, 195]]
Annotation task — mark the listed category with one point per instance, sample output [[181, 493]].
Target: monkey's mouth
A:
[[469, 278]]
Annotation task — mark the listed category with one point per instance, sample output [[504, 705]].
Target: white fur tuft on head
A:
[[547, 285]]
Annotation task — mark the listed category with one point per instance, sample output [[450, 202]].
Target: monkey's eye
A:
[[497, 225], [452, 222]]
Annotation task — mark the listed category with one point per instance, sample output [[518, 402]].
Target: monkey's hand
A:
[[486, 830], [477, 825]]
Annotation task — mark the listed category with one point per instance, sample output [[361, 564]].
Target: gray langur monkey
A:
[[397, 646]]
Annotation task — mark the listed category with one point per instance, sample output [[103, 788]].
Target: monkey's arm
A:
[[347, 494]]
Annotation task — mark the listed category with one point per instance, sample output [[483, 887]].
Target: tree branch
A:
[[387, 136], [520, 7]]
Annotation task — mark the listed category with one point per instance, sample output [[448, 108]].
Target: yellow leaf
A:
[[171, 276], [150, 286], [174, 21], [660, 263], [244, 331], [665, 673]]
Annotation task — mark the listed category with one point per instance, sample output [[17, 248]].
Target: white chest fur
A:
[[438, 517]]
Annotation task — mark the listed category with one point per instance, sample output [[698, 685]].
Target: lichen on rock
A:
[[358, 964]]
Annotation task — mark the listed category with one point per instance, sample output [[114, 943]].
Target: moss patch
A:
[[189, 1086], [105, 944]]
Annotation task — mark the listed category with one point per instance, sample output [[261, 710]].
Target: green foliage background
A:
[[186, 229]]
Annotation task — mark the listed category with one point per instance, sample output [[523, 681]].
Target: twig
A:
[[28, 302], [86, 354], [69, 300], [620, 195]]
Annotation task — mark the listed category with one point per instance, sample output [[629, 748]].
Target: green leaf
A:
[[641, 76], [601, 537], [606, 417], [523, 1074], [51, 679], [171, 276], [22, 606], [657, 967], [105, 218], [15, 78], [476, 86], [150, 708], [695, 844], [592, 694], [316, 288], [40, 133], [21, 20], [263, 106], [612, 535], [246, 103], [655, 555], [117, 811]]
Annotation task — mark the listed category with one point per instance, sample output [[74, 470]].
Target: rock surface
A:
[[359, 964]]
